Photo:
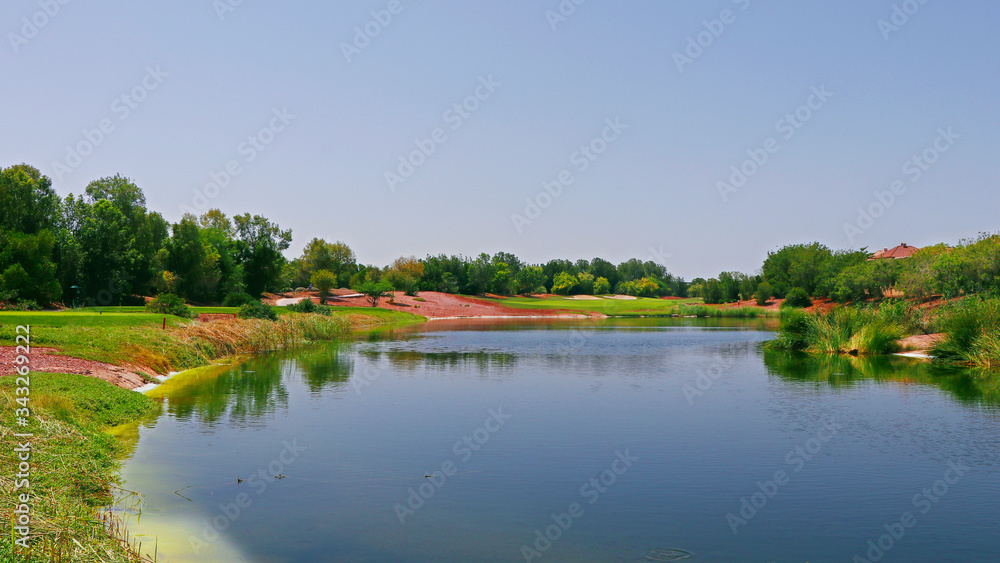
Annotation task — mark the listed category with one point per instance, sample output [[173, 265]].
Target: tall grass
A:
[[192, 344], [844, 330], [722, 312], [74, 468], [972, 329]]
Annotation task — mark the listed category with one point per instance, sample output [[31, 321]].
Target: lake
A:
[[602, 441]]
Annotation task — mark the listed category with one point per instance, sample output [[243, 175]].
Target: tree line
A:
[[104, 247], [971, 267]]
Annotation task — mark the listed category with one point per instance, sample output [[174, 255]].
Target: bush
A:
[[844, 330], [798, 298], [564, 283], [541, 289], [237, 299], [324, 281], [257, 310], [309, 306], [169, 304], [712, 291], [972, 329], [602, 286], [764, 292], [375, 291]]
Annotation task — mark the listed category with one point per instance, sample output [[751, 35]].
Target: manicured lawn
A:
[[639, 306], [10, 319]]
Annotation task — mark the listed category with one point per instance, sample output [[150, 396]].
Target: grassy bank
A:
[[848, 330], [138, 339], [74, 460], [972, 329], [74, 466]]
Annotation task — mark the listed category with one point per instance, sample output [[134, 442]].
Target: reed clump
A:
[[843, 330], [972, 332]]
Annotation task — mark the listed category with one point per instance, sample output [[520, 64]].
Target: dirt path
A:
[[48, 360]]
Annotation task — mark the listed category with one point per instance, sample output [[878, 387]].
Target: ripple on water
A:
[[661, 554]]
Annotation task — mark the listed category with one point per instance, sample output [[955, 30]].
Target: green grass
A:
[[844, 330], [135, 337], [610, 307], [639, 307], [85, 318], [972, 329], [74, 466]]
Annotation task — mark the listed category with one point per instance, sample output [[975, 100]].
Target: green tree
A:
[[586, 283], [26, 267], [713, 291], [480, 274], [796, 265], [797, 297], [188, 256], [323, 280], [259, 247], [217, 232], [564, 283], [529, 278], [374, 291], [405, 273], [602, 286], [601, 268], [502, 278], [28, 204], [763, 293], [335, 257]]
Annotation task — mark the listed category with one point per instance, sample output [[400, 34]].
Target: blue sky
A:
[[206, 89]]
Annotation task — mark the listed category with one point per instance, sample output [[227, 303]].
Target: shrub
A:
[[540, 289], [602, 286], [238, 298], [309, 306], [169, 304], [795, 333], [257, 310], [323, 280], [844, 330], [972, 329], [764, 292], [797, 297], [712, 291], [564, 283], [375, 291]]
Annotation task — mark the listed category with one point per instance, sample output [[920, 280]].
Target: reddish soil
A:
[[205, 317], [920, 342], [48, 360], [435, 305]]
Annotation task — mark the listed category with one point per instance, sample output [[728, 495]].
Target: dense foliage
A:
[[105, 247], [169, 304]]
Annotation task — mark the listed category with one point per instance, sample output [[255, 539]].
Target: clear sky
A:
[[309, 117]]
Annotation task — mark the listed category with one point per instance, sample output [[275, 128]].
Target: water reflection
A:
[[968, 385], [325, 368]]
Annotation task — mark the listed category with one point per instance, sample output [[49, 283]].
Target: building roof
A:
[[902, 251]]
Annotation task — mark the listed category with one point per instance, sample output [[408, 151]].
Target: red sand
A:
[[48, 360], [435, 305]]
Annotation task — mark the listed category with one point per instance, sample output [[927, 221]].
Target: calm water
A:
[[614, 438]]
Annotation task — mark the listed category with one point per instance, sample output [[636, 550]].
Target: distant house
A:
[[902, 251]]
